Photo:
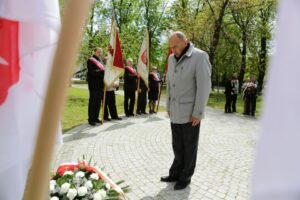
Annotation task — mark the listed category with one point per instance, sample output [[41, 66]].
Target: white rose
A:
[[79, 175], [65, 188], [103, 193], [72, 194], [82, 191], [97, 196], [54, 198], [52, 188], [94, 176], [107, 186], [68, 173], [88, 184], [52, 182]]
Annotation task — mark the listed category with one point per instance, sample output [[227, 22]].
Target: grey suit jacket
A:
[[188, 85]]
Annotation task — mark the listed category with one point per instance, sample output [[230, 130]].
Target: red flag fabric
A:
[[142, 67], [118, 59], [115, 64], [166, 65], [9, 56]]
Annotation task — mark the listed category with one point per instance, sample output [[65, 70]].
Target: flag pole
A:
[[68, 44], [103, 102], [159, 96], [137, 99], [148, 57], [163, 79]]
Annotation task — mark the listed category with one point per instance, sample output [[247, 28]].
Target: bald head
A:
[[177, 42]]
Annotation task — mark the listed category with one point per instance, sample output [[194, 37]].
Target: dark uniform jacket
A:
[[95, 75], [130, 80]]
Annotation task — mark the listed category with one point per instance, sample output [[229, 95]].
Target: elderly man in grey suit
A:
[[188, 88]]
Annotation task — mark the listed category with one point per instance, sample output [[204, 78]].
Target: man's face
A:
[[129, 63], [177, 45], [98, 53]]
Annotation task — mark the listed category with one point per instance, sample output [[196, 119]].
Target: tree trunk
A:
[[216, 36], [244, 59], [262, 63]]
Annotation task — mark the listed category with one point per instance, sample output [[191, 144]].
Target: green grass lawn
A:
[[76, 108], [75, 112]]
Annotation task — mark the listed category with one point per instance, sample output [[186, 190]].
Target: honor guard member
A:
[[154, 87], [130, 86], [142, 98], [95, 76]]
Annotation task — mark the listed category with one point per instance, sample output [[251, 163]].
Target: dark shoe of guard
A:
[[117, 118], [168, 179], [92, 123], [180, 185]]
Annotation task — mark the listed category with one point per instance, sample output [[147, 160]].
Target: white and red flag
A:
[[28, 34], [115, 63], [143, 62]]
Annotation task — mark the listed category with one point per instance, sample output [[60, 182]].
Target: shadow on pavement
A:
[[168, 193], [118, 126]]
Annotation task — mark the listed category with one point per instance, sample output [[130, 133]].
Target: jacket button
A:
[[175, 71], [173, 85]]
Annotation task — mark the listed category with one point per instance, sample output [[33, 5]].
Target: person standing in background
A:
[[235, 92], [142, 98], [95, 76], [154, 87], [110, 101], [229, 95], [249, 96], [130, 86]]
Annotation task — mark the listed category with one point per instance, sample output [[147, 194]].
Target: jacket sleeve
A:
[[203, 84]]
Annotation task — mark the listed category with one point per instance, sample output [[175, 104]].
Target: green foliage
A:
[[244, 22]]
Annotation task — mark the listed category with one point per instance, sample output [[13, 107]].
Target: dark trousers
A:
[[142, 102], [233, 102], [110, 105], [228, 103], [185, 139], [94, 105], [250, 104], [129, 100]]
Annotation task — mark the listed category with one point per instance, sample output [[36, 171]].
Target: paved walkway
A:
[[139, 151]]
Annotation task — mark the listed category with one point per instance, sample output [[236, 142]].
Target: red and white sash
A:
[[131, 70], [155, 76], [96, 62]]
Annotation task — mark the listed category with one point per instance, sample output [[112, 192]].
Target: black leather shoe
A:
[[180, 185], [98, 121], [92, 123], [168, 179], [117, 118], [107, 119]]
